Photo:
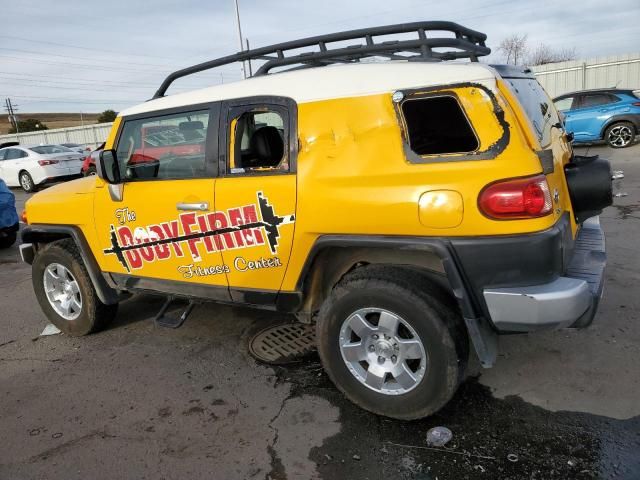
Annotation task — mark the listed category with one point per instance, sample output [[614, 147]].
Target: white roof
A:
[[336, 81]]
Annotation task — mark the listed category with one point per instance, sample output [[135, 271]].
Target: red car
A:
[[89, 163], [159, 142]]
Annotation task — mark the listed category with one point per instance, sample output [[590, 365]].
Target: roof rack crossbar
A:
[[466, 43]]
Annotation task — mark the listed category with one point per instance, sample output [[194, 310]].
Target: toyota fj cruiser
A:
[[410, 208]]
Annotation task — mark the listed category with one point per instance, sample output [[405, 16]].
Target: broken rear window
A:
[[438, 125]]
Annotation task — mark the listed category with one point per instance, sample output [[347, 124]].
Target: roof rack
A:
[[465, 43]]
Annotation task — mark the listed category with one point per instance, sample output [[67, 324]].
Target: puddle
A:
[[544, 444]]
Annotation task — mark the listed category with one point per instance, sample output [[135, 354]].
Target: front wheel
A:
[[65, 291], [26, 182], [620, 135], [390, 344]]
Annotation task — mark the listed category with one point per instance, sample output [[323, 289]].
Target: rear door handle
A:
[[203, 206]]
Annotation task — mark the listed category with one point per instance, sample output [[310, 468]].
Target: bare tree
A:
[[514, 49], [545, 54]]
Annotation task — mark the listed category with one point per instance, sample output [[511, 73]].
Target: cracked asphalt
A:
[[136, 401]]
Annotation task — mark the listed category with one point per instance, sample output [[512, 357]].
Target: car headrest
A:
[[266, 144]]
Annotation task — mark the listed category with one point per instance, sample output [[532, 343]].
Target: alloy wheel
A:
[[382, 351], [25, 181], [63, 291], [620, 136]]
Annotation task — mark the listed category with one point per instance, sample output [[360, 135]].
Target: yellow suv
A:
[[409, 207]]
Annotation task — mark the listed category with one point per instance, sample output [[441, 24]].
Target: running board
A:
[[168, 321]]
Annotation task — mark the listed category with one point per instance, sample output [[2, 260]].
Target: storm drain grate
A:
[[283, 343]]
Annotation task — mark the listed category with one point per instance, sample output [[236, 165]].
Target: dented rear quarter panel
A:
[[354, 176]]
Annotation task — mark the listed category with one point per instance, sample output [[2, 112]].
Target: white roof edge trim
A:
[[325, 83]]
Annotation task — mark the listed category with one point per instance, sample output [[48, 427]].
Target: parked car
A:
[[77, 148], [612, 115], [89, 163], [412, 210], [9, 224], [32, 166]]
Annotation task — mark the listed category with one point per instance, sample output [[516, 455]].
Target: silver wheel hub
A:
[[63, 291], [382, 351]]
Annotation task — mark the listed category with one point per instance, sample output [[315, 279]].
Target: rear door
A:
[[590, 114], [554, 151], [256, 194]]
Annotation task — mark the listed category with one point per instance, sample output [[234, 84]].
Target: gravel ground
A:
[[136, 401]]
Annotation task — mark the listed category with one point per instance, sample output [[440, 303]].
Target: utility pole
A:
[[12, 116], [244, 72]]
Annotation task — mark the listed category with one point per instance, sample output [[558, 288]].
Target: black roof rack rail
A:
[[466, 43]]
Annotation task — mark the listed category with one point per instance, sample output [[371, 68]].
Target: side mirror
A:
[[107, 167]]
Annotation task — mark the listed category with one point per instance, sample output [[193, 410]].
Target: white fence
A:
[[621, 71], [90, 135]]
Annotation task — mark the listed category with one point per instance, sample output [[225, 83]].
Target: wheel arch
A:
[[628, 118], [332, 257], [38, 235]]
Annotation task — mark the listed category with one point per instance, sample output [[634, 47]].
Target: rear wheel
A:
[[390, 344], [620, 134], [65, 291], [26, 182]]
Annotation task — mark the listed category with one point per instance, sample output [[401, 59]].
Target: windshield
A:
[[70, 145], [48, 149]]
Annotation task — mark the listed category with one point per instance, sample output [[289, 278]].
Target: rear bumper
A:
[[570, 300]]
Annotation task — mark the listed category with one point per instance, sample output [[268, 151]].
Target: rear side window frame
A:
[[489, 153], [286, 107]]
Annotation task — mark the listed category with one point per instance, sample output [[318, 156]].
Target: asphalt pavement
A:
[[137, 401]]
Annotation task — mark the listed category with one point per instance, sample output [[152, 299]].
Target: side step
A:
[[168, 321]]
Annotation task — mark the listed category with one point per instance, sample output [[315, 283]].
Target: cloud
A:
[[82, 55]]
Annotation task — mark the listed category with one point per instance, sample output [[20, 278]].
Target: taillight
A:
[[636, 104], [47, 162], [516, 198], [23, 216]]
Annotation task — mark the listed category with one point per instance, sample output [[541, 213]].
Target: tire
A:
[[92, 315], [417, 303], [26, 182], [90, 171], [620, 134], [8, 239]]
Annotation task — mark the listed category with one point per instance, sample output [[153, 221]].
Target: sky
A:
[[89, 56]]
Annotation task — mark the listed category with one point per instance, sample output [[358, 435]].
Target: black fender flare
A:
[[482, 333], [40, 233]]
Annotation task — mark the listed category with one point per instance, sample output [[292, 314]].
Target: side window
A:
[[164, 147], [2, 154], [564, 104], [257, 141], [594, 100], [14, 154], [438, 125]]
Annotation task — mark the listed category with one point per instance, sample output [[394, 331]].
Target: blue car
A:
[[612, 115], [8, 216]]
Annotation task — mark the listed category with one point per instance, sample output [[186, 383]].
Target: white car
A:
[[77, 148], [32, 166]]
